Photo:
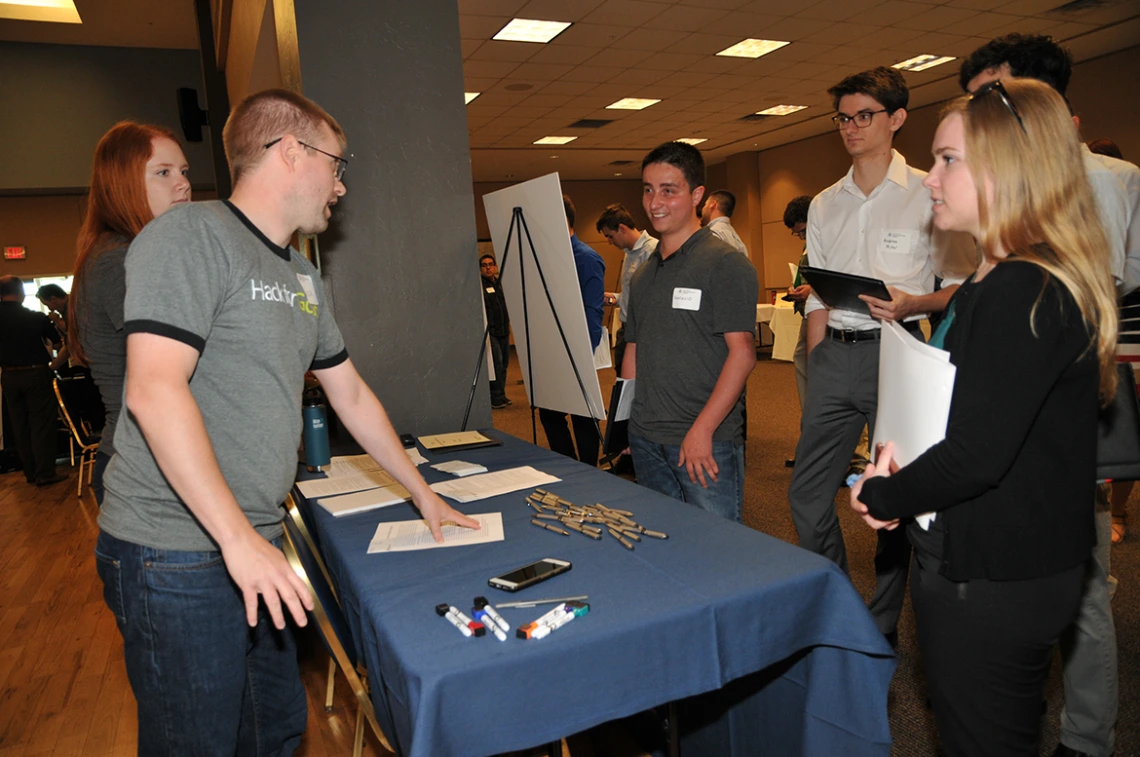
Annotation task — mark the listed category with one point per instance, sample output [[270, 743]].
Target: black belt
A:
[[866, 335], [22, 367]]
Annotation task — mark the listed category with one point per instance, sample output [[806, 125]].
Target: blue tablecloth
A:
[[715, 603]]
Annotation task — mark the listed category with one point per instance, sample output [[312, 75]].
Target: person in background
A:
[[1088, 648], [138, 173], [691, 332], [591, 270], [26, 382], [498, 328], [999, 573], [54, 298], [223, 319], [716, 214], [616, 224], [795, 218]]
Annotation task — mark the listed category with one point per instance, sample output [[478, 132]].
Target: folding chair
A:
[[307, 563], [81, 433]]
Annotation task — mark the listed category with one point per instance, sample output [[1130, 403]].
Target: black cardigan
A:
[[1013, 480]]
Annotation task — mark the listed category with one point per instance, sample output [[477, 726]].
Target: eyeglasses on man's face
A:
[[862, 119], [1003, 93], [340, 163]]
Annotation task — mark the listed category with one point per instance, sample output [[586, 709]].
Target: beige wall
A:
[[47, 227]]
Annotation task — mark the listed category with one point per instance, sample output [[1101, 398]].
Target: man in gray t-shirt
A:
[[223, 320], [690, 328]]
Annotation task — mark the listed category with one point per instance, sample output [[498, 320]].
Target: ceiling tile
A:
[[468, 46], [1023, 26], [490, 7], [623, 13], [593, 35], [893, 11], [591, 73], [651, 39], [981, 24], [505, 51], [474, 84], [486, 69], [889, 36], [842, 33], [564, 54], [1028, 7], [672, 61], [719, 4], [684, 18], [745, 25], [564, 87], [635, 77], [707, 44], [616, 56], [716, 65], [548, 99], [481, 27], [839, 10], [540, 72], [558, 10], [937, 19]]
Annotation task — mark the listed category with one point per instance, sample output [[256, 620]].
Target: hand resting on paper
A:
[[883, 466], [901, 305], [437, 512]]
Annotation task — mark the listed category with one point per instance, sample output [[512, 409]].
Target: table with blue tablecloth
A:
[[774, 638]]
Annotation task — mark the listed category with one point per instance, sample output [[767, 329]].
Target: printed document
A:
[[408, 535], [916, 384], [493, 484], [330, 487], [369, 499]]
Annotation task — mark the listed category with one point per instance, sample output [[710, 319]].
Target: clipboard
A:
[[459, 440], [617, 427], [841, 290]]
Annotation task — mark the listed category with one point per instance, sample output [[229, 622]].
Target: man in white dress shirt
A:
[[616, 224], [715, 214], [875, 221]]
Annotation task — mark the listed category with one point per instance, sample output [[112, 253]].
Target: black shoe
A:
[[499, 405], [52, 480], [1066, 751], [790, 462], [893, 639]]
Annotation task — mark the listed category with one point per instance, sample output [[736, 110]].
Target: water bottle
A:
[[315, 435]]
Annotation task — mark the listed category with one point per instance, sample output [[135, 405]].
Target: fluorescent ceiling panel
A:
[[469, 96], [923, 62], [752, 48], [531, 30], [554, 140], [692, 140], [53, 11], [781, 110], [632, 103]]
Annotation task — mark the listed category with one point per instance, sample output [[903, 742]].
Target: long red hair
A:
[[117, 205]]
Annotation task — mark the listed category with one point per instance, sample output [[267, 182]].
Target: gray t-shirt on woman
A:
[[99, 300]]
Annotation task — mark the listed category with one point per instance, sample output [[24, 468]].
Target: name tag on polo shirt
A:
[[686, 299], [490, 290], [310, 290], [897, 240]]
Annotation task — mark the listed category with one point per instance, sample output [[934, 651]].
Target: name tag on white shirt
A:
[[490, 290], [898, 240], [686, 299]]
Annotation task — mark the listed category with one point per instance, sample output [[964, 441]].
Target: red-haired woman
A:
[[139, 173]]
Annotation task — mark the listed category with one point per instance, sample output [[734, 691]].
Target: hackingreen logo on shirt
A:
[[277, 292]]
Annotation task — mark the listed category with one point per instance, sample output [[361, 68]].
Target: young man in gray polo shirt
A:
[[690, 330], [223, 320]]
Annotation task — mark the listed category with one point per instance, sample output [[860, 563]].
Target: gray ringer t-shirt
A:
[[202, 274], [680, 308]]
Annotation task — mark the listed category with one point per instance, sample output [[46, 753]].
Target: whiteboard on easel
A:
[[554, 384]]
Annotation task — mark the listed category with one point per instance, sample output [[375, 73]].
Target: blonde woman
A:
[[998, 575]]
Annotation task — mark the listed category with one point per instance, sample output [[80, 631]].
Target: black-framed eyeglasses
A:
[[1003, 93], [862, 119], [341, 163]]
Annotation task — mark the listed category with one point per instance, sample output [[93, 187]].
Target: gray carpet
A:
[[773, 428]]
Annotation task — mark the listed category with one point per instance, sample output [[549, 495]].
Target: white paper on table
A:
[[602, 356], [493, 484], [625, 401], [369, 499], [916, 384], [350, 465], [407, 535], [795, 269], [330, 487], [460, 468], [415, 456]]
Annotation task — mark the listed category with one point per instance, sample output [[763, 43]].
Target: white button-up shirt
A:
[[634, 257], [722, 228], [1116, 189], [886, 235]]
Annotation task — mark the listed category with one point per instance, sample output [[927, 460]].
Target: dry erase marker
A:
[[485, 606], [476, 627], [444, 611]]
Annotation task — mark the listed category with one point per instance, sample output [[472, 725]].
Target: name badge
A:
[[310, 290], [490, 290], [897, 240], [686, 299]]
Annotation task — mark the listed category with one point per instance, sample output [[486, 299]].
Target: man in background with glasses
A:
[[876, 222], [1088, 647], [223, 319]]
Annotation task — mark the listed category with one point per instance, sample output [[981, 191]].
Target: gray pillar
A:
[[400, 255]]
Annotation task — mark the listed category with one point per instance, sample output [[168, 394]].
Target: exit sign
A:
[[15, 253]]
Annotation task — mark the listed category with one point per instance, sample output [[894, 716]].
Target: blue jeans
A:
[[657, 469], [206, 683]]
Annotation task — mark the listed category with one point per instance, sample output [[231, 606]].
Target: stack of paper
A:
[[493, 484], [460, 468], [916, 384], [354, 484], [407, 535]]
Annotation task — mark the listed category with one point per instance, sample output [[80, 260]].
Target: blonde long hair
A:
[[1023, 142]]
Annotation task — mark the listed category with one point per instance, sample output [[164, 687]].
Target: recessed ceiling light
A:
[[780, 110], [618, 173], [752, 48], [692, 140], [553, 157], [923, 62], [632, 103], [469, 96], [55, 11], [530, 30], [554, 140]]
